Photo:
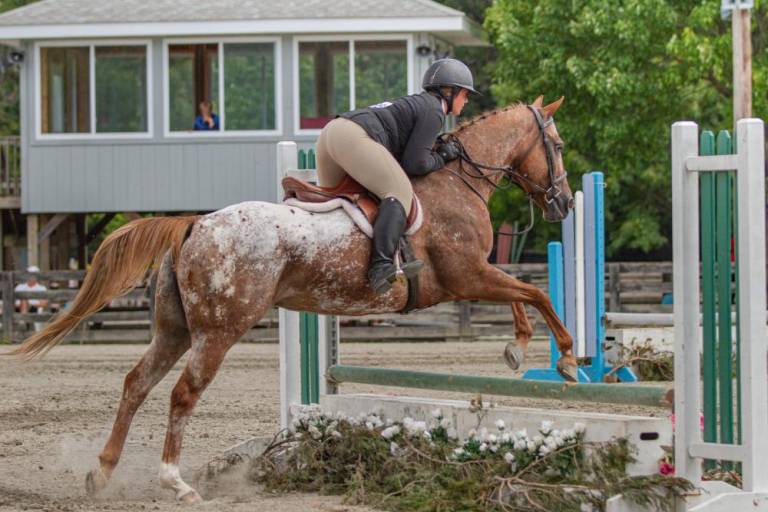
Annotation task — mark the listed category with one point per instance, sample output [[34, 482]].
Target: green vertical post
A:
[[308, 328], [707, 219], [302, 159], [724, 298], [310, 364]]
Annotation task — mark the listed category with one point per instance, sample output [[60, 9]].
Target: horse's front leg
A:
[[494, 285], [514, 352]]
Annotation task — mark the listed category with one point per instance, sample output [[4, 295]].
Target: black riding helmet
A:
[[448, 73]]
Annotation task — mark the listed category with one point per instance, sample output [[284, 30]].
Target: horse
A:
[[217, 274]]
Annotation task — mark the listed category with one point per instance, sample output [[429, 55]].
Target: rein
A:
[[513, 173]]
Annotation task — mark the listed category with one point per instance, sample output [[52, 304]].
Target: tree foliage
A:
[[628, 69]]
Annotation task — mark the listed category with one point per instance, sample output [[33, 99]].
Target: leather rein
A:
[[513, 171]]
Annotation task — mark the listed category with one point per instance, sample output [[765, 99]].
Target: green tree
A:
[[9, 84], [628, 69]]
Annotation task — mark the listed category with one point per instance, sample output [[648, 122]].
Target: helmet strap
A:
[[448, 98]]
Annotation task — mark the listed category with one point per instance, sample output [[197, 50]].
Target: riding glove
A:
[[448, 151]]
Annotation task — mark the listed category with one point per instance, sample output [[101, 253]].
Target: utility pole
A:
[[740, 13]]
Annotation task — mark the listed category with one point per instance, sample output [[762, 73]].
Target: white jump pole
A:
[[690, 449], [581, 294]]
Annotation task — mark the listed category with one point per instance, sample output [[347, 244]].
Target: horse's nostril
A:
[[570, 203]]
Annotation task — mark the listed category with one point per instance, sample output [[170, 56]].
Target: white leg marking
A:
[[170, 478]]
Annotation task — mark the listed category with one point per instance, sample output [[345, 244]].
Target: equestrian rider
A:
[[381, 146]]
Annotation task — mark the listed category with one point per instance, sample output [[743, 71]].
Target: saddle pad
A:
[[354, 213]]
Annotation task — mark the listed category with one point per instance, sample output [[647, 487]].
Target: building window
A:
[[193, 71], [328, 85], [323, 82], [94, 89], [65, 90], [381, 71], [121, 89], [236, 79]]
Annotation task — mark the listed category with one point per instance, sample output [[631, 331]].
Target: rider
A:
[[381, 146]]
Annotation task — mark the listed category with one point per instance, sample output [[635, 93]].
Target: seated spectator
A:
[[207, 120], [32, 285]]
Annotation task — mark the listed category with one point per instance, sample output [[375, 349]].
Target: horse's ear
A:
[[538, 101], [550, 109]]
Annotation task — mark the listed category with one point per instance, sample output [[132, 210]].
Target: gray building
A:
[[111, 91]]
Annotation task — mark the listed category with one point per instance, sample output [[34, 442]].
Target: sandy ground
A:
[[56, 413]]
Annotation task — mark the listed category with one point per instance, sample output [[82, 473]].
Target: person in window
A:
[[207, 120], [381, 146]]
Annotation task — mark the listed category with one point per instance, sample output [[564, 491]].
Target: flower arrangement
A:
[[418, 465]]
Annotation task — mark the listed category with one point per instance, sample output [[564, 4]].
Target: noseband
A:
[[513, 171]]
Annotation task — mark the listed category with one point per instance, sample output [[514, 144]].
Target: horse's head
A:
[[537, 162]]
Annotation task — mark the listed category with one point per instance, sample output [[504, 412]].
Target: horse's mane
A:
[[480, 117]]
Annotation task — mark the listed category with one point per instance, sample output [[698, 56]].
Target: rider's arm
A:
[[418, 157]]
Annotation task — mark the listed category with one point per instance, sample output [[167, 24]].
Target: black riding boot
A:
[[387, 230]]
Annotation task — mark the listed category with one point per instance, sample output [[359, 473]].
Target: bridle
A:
[[513, 171]]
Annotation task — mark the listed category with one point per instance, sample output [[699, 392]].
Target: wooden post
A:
[[33, 255], [742, 63], [7, 291], [614, 296], [465, 318], [44, 254]]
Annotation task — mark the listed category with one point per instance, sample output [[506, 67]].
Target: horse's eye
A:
[[559, 148]]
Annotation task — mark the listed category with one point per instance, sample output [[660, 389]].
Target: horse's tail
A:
[[118, 266]]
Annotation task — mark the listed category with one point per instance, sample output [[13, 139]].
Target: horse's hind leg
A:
[[514, 352], [170, 341]]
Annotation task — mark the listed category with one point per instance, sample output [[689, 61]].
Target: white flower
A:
[[531, 447], [506, 437], [336, 434], [522, 433], [437, 414], [427, 435], [389, 422], [445, 423], [483, 434], [500, 424], [569, 433], [369, 425], [390, 432], [494, 448], [551, 442], [314, 432], [492, 438], [546, 427], [472, 433], [452, 433], [544, 450], [538, 439], [394, 449], [520, 444], [458, 452], [509, 457], [483, 447], [579, 427], [559, 441]]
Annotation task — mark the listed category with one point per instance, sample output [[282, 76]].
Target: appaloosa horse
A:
[[219, 273]]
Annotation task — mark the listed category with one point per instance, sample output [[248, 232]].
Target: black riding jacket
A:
[[407, 127]]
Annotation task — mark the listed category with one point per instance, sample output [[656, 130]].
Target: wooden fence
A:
[[630, 287], [10, 166]]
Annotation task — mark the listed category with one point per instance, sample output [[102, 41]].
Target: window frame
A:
[[91, 45], [350, 39], [223, 132]]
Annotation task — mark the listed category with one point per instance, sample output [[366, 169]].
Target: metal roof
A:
[[57, 12], [77, 19]]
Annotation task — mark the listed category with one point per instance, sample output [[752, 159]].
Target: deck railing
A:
[[10, 167]]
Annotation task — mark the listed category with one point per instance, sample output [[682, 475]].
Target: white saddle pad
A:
[[354, 212]]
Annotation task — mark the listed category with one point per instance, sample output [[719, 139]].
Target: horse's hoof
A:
[[568, 371], [190, 498], [95, 481], [513, 356]]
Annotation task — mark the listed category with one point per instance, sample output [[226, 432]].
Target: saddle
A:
[[348, 189], [353, 192]]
